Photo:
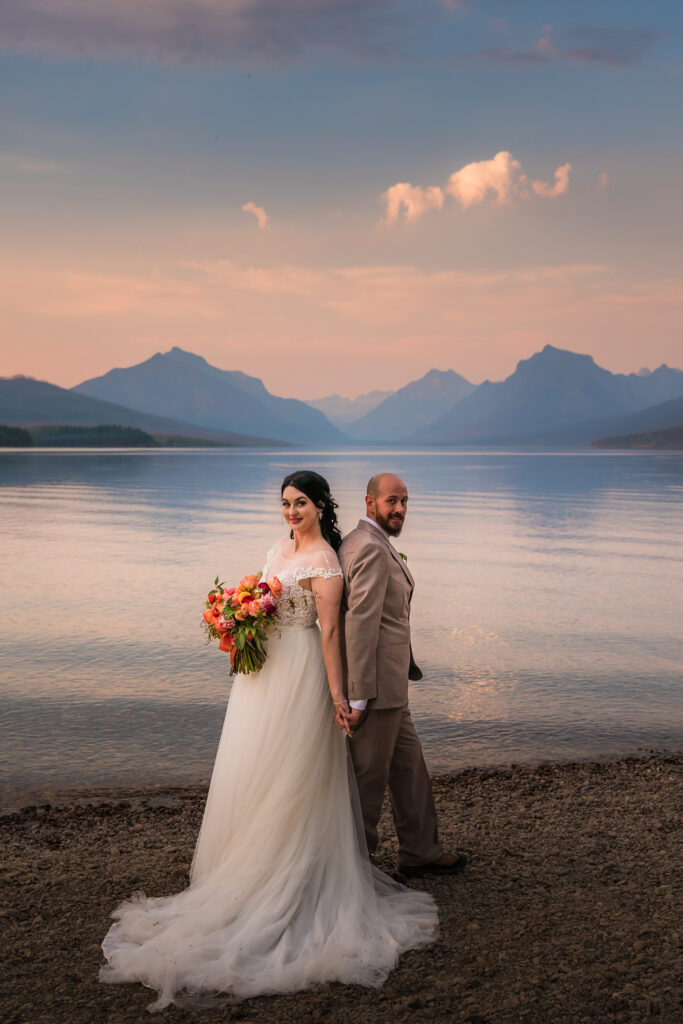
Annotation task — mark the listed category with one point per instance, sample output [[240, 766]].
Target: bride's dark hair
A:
[[316, 487]]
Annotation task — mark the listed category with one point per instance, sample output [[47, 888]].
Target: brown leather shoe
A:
[[447, 864]]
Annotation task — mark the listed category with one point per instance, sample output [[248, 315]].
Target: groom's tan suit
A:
[[385, 750]]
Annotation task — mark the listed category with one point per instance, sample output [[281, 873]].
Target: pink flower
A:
[[222, 624]]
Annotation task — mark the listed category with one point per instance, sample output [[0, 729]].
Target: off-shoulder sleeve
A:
[[320, 564]]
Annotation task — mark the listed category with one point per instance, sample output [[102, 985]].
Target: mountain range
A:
[[341, 411], [554, 398], [25, 402], [187, 387], [412, 407], [547, 400]]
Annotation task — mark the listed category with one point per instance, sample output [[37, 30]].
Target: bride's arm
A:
[[328, 595]]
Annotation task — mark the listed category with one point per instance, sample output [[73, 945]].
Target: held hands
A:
[[353, 719], [346, 718], [342, 713]]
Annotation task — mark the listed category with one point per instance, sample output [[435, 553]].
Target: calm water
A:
[[547, 614]]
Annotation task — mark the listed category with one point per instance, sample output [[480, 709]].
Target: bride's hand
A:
[[341, 713]]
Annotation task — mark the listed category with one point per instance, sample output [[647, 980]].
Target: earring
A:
[[320, 515]]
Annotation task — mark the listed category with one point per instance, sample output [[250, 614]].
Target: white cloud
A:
[[541, 188], [474, 181], [259, 213], [414, 199], [500, 177]]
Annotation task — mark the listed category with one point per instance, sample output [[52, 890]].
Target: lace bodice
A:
[[296, 604]]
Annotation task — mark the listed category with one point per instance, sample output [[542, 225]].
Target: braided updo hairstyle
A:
[[316, 487]]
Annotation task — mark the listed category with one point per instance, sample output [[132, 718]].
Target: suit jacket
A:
[[378, 587]]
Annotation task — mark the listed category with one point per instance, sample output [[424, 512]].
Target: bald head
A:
[[386, 502], [381, 481]]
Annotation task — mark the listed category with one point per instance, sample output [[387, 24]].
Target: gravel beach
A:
[[569, 910]]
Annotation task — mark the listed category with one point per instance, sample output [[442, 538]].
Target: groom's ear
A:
[[369, 503]]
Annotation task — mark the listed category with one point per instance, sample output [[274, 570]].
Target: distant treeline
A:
[[106, 436], [654, 439], [14, 437]]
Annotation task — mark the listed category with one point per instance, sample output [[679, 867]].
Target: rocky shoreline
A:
[[568, 913]]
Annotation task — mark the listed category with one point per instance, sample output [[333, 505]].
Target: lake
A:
[[546, 617]]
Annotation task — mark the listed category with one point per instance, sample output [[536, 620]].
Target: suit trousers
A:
[[385, 750]]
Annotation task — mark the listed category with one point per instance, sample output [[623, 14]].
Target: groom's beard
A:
[[392, 524]]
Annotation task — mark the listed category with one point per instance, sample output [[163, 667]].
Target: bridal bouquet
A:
[[240, 617]]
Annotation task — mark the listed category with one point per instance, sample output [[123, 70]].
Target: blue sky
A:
[[134, 134]]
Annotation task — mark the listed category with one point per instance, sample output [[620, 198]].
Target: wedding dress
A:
[[282, 894]]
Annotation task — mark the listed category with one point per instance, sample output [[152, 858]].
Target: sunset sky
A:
[[338, 195]]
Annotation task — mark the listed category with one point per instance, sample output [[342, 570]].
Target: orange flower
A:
[[275, 586], [208, 616], [226, 642], [241, 614], [217, 607], [254, 608], [249, 582]]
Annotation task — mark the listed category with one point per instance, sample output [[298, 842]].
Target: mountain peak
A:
[[185, 386], [556, 359], [552, 352], [182, 355]]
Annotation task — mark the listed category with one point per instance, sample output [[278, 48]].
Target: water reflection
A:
[[545, 616]]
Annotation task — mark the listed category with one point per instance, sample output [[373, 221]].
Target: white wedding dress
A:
[[282, 894]]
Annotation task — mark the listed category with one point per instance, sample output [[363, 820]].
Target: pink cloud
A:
[[474, 181], [500, 177], [260, 214], [289, 322], [29, 164], [414, 199], [280, 32], [541, 188]]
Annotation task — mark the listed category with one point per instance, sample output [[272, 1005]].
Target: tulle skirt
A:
[[282, 894]]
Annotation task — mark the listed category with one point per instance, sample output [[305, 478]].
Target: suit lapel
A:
[[402, 563], [394, 553]]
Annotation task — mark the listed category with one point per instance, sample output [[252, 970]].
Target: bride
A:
[[282, 893]]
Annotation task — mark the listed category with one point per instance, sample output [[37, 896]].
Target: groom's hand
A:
[[353, 719]]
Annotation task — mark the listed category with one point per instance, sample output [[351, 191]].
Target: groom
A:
[[384, 746]]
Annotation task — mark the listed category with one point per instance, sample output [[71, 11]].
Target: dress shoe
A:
[[436, 867]]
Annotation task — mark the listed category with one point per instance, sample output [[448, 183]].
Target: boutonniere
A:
[[404, 557]]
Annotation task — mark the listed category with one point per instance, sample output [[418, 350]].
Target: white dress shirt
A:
[[360, 705]]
